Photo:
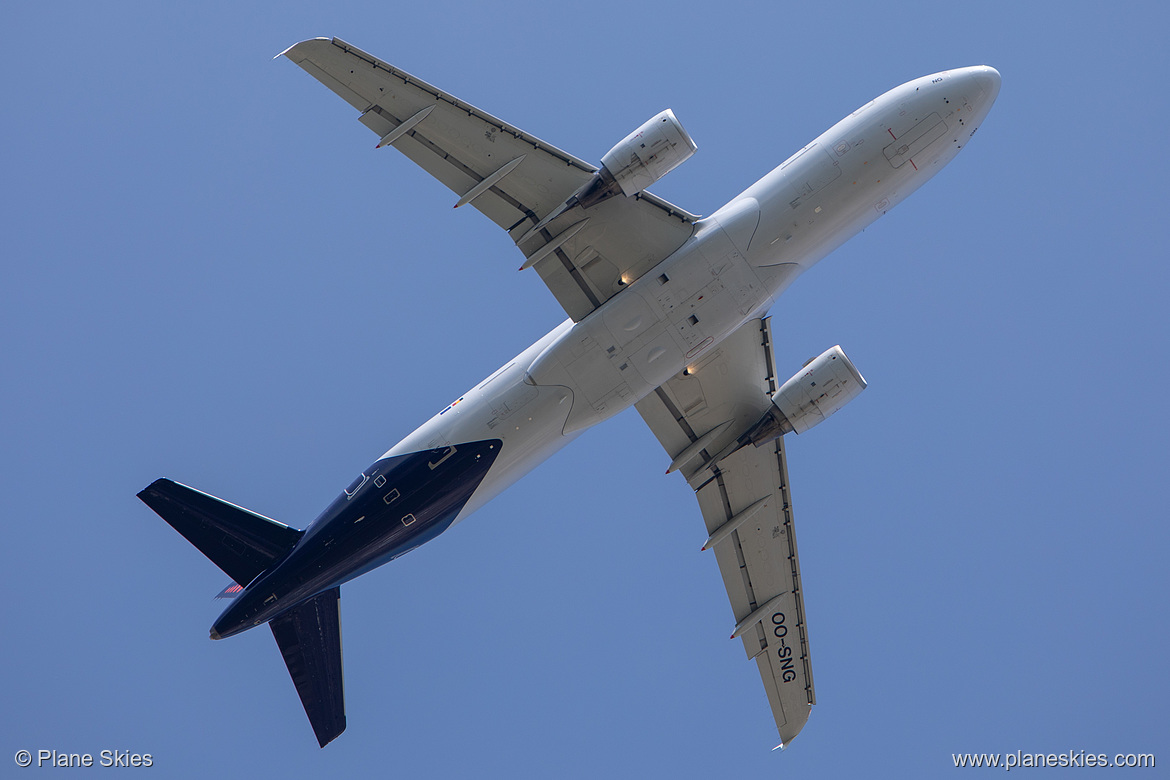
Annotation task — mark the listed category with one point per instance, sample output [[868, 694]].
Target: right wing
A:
[[514, 178], [746, 506]]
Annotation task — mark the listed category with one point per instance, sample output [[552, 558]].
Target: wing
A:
[[746, 506], [514, 178]]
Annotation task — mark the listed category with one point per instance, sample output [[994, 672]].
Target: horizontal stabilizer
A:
[[309, 637], [240, 542]]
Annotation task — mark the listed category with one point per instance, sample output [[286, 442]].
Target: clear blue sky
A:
[[209, 274]]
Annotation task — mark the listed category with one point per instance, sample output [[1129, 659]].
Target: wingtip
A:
[[298, 43]]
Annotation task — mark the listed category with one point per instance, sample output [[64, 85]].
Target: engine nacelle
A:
[[824, 385], [649, 153]]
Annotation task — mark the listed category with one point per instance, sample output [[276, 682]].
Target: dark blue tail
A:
[[240, 542], [309, 636], [245, 544]]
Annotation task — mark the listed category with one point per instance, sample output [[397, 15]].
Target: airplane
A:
[[667, 312]]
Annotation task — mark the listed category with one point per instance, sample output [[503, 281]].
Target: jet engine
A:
[[649, 153], [824, 385], [640, 159]]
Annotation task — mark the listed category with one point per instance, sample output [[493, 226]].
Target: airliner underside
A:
[[666, 313]]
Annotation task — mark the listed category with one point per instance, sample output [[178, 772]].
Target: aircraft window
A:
[[380, 480], [408, 520], [391, 497], [355, 485]]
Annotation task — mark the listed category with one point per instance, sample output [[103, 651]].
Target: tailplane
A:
[[245, 544], [239, 542], [309, 637]]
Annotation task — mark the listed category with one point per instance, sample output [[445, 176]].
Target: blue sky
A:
[[209, 274]]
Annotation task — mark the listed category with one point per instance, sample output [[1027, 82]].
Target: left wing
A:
[[746, 505], [514, 178]]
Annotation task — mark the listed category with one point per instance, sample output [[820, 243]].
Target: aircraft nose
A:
[[988, 79], [980, 83]]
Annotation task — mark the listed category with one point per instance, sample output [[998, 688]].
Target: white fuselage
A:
[[732, 269]]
